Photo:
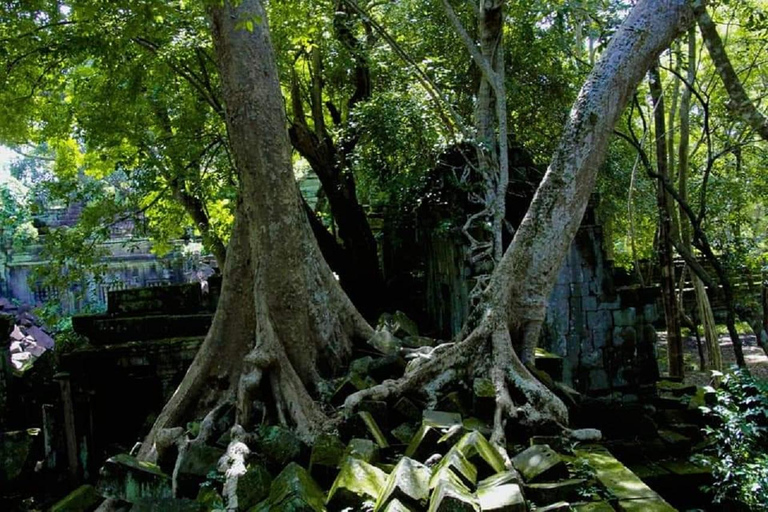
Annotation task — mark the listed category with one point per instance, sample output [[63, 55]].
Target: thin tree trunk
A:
[[740, 102], [666, 256]]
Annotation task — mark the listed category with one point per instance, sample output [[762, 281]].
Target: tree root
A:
[[534, 404]]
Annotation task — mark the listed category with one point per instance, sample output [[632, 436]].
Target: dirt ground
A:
[[757, 361]]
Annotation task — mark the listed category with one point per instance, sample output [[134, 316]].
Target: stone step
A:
[[171, 300], [112, 330], [632, 493]]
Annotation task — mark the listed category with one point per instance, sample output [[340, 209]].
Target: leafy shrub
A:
[[738, 454]]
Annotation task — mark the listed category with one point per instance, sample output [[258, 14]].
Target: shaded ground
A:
[[757, 361]]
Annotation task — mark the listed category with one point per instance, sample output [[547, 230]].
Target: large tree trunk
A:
[[283, 323]]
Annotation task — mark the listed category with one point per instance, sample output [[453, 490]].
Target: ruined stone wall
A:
[[604, 334]]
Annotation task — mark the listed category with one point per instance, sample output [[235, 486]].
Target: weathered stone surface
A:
[[168, 505], [645, 505], [386, 342], [363, 449], [476, 448], [614, 476], [675, 388], [253, 486], [561, 506], [450, 495], [83, 499], [404, 432], [408, 482], [373, 429], [539, 462], [403, 326], [407, 409], [278, 445], [356, 482], [398, 506], [510, 476], [454, 463], [193, 465], [15, 449], [327, 451], [435, 425], [293, 491], [551, 492], [596, 506], [505, 497], [125, 478]]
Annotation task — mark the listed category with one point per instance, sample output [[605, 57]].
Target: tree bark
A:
[[666, 256], [740, 102]]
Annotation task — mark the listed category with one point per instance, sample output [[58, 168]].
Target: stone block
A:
[[363, 449], [408, 482], [551, 492], [125, 478], [327, 452], [505, 497], [435, 425], [538, 463], [168, 505], [486, 457], [625, 317], [560, 506], [15, 452], [596, 506], [373, 429], [404, 432], [510, 476], [398, 506], [278, 445], [253, 486], [193, 465], [356, 482], [83, 499], [293, 490], [645, 505], [450, 495], [403, 326], [407, 409], [454, 463], [614, 476]]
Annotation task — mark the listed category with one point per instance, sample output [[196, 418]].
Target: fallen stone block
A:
[[450, 495], [404, 432], [293, 490], [373, 429], [253, 486], [398, 506], [279, 446], [363, 449], [454, 463], [482, 453], [408, 482], [193, 465], [125, 478], [356, 482], [540, 462], [325, 458], [437, 427], [505, 497], [83, 499], [168, 505], [595, 506], [645, 505], [551, 492], [562, 506], [510, 476]]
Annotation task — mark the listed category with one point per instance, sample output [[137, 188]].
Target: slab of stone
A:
[[675, 388], [278, 445], [356, 482], [476, 447], [327, 452], [595, 506], [506, 497], [510, 476], [82, 499], [614, 476], [253, 486], [560, 506], [363, 449], [454, 463], [539, 463], [450, 495], [551, 492], [373, 429], [404, 432], [398, 506], [294, 491], [406, 408], [435, 425], [193, 465], [168, 505], [408, 482], [126, 478], [645, 505]]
